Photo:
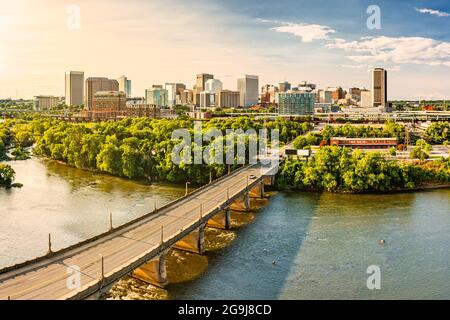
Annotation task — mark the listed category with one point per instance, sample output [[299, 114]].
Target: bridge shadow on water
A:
[[257, 263]]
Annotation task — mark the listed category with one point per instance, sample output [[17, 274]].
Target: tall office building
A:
[[248, 90], [379, 91], [125, 85], [228, 99], [295, 103], [74, 88], [46, 102], [156, 96], [94, 85], [366, 99], [284, 86], [201, 81], [200, 85]]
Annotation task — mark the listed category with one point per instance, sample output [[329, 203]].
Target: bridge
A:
[[138, 248]]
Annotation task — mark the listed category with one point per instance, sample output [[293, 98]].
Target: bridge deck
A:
[[124, 249]]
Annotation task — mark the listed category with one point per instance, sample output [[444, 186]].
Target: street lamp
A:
[[187, 183]]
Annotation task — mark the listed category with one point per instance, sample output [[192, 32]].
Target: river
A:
[[296, 246]]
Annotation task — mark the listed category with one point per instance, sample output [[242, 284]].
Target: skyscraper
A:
[[125, 85], [248, 90], [94, 85], [379, 92], [74, 88], [284, 86], [200, 86], [201, 81], [295, 103], [156, 96]]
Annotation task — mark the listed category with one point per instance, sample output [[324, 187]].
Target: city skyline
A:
[[296, 41]]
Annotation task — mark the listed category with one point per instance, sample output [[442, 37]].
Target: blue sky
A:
[[322, 41]]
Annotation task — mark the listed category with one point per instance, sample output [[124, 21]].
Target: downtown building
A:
[[125, 85], [74, 88], [200, 86], [228, 99], [379, 88], [107, 105], [248, 87], [295, 103], [156, 96], [42, 103], [98, 84]]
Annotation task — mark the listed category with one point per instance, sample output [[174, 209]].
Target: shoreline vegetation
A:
[[140, 149]]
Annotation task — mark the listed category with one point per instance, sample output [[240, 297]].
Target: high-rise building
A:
[[248, 87], [205, 99], [200, 86], [46, 102], [355, 93], [74, 88], [326, 96], [156, 96], [379, 83], [171, 94], [213, 87], [187, 97], [109, 101], [284, 86], [295, 103], [125, 85], [94, 85], [228, 99], [366, 99], [201, 81], [337, 94]]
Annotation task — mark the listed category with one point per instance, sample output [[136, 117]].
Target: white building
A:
[[248, 90], [366, 99]]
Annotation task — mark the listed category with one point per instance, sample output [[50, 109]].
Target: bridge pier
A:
[[153, 272], [193, 242], [258, 190], [269, 180], [242, 203], [222, 220]]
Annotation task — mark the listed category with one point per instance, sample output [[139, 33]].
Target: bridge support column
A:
[[269, 180], [242, 203], [153, 272], [193, 242], [257, 191], [221, 220]]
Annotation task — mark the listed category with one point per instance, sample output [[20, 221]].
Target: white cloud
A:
[[307, 32], [417, 50], [433, 12], [263, 20]]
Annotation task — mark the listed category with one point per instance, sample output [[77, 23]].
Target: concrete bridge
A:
[[90, 268]]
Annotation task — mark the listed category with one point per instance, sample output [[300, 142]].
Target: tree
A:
[[7, 175]]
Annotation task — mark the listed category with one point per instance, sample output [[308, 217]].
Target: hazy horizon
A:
[[154, 42]]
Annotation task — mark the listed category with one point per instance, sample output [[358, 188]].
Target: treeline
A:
[[337, 169], [133, 148], [4, 138], [438, 133], [390, 129]]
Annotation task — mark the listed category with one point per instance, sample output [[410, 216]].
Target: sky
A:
[[327, 42]]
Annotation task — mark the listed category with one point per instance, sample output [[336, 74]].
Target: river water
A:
[[296, 246]]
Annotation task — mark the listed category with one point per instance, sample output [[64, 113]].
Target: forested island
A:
[[140, 148]]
